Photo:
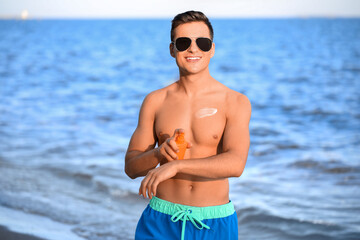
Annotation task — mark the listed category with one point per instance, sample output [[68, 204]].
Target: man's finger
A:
[[172, 144], [170, 152], [143, 190], [178, 131], [144, 184], [140, 189], [149, 186], [164, 153], [154, 187]]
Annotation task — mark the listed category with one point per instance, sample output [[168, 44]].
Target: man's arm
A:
[[236, 143], [230, 163], [141, 156]]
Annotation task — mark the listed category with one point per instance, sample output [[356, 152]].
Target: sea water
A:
[[70, 94]]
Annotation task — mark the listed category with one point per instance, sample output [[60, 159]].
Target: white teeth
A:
[[192, 58]]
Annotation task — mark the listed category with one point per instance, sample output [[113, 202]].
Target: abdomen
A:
[[201, 193]]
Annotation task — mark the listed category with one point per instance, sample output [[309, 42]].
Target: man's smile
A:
[[192, 58]]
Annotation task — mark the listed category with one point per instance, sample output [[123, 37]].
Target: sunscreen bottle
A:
[[182, 144]]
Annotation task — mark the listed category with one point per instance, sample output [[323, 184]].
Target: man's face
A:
[[192, 30]]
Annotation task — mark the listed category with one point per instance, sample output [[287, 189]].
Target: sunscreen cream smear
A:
[[205, 112]]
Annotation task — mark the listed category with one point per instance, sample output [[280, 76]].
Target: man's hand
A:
[[154, 177], [167, 170], [168, 149]]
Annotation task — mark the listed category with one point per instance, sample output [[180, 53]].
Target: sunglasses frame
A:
[[211, 42]]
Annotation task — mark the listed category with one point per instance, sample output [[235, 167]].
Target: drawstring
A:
[[185, 215]]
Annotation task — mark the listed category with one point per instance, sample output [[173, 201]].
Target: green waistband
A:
[[201, 213]]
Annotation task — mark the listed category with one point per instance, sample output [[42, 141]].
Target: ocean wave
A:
[[267, 224], [328, 166], [78, 196]]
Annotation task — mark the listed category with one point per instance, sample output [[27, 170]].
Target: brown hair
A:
[[190, 16]]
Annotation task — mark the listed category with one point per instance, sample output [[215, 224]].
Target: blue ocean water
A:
[[70, 93]]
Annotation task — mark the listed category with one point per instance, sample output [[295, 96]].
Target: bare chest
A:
[[203, 121]]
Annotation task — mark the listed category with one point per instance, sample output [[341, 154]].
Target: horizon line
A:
[[171, 17]]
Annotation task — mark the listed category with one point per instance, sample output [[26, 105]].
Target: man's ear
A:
[[212, 50], [172, 50]]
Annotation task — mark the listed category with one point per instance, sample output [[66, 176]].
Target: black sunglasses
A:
[[183, 43]]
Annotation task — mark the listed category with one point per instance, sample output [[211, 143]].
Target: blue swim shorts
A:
[[164, 220]]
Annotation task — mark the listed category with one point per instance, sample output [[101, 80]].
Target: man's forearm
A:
[[139, 163], [223, 165]]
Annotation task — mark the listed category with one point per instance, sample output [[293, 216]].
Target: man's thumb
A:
[[178, 131]]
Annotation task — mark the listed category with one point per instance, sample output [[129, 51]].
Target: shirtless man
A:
[[190, 197]]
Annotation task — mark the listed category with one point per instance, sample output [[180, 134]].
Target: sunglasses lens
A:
[[182, 43], [204, 44]]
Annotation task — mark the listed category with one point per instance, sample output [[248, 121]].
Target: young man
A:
[[190, 197]]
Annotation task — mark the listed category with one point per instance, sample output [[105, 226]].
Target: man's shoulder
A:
[[235, 97], [156, 97], [159, 94], [236, 101]]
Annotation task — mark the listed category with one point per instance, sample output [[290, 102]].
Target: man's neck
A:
[[195, 84]]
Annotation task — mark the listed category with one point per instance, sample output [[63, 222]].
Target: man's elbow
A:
[[238, 169], [130, 173], [238, 172], [128, 168]]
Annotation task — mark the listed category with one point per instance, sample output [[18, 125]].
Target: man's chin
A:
[[187, 72]]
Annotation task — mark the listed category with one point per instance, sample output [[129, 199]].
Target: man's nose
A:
[[193, 47]]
